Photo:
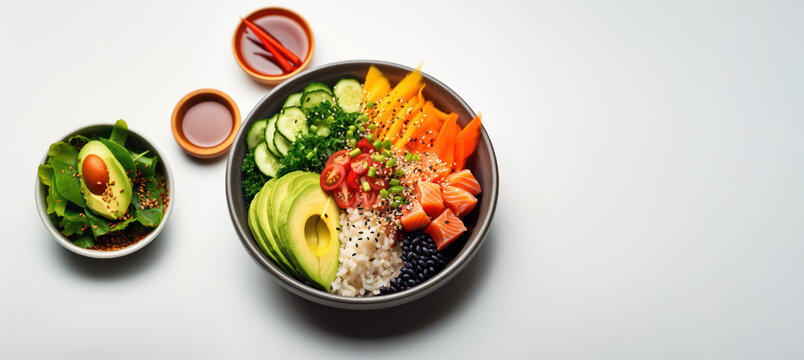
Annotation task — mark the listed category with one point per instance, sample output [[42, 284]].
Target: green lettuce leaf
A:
[[121, 154], [66, 183], [72, 222], [84, 241], [64, 152], [119, 132]]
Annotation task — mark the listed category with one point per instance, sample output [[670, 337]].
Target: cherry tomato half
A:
[[367, 199], [340, 157], [344, 196], [361, 163], [353, 180], [332, 176], [365, 146]]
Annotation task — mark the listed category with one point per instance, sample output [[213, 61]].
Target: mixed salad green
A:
[[96, 187], [312, 125]]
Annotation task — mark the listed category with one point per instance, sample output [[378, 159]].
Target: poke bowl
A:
[[378, 187], [104, 191]]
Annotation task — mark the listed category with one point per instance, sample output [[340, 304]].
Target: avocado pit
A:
[[96, 174]]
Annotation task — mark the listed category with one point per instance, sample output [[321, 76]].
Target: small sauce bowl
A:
[[194, 98], [244, 49]]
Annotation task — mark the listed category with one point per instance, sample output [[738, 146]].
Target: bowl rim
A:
[[195, 150], [372, 302], [97, 254], [274, 79]]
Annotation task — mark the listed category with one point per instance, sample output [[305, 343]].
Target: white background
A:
[[651, 202]]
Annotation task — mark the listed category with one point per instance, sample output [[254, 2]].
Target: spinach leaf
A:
[[66, 182], [121, 154], [84, 241], [55, 202], [119, 133], [148, 217], [147, 166], [98, 225], [73, 222]]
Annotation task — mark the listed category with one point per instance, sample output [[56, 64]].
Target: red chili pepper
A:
[[264, 39], [287, 53]]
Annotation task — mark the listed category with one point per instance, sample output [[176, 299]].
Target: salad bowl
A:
[[137, 142], [483, 164]]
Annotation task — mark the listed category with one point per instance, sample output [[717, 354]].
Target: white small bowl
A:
[[136, 138]]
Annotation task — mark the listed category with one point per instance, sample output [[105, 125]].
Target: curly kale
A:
[[310, 152], [253, 179]]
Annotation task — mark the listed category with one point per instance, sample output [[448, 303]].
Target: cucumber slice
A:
[[266, 162], [282, 144], [293, 100], [256, 134], [313, 98], [270, 132], [291, 122], [350, 94], [316, 86]]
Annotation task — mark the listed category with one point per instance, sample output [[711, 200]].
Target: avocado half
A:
[[114, 201], [296, 224]]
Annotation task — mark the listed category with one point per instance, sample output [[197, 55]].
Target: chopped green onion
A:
[[372, 126], [387, 144], [310, 155], [378, 158], [366, 186], [350, 133], [408, 157], [372, 171], [377, 143], [363, 117], [370, 104], [313, 128], [399, 172], [391, 162], [394, 182], [352, 127], [354, 152], [395, 189], [369, 137], [395, 204], [416, 158], [384, 193], [324, 131], [330, 119], [352, 143], [399, 198]]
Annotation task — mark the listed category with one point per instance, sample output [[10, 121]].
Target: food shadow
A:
[[414, 316], [116, 268]]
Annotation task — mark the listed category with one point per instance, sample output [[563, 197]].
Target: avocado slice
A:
[[109, 192], [264, 228], [283, 191], [310, 232], [256, 226]]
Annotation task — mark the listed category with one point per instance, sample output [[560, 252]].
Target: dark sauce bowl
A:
[[238, 45], [483, 164]]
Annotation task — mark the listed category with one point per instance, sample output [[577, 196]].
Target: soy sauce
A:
[[287, 31], [207, 123]]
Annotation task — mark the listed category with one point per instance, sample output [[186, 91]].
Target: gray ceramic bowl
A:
[[135, 142], [483, 165]]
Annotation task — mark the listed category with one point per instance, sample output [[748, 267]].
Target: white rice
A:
[[368, 261]]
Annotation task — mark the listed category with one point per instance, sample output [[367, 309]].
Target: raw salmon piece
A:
[[429, 196], [464, 180], [460, 201], [445, 229], [414, 218]]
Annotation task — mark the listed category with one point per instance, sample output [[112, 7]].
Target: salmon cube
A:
[[460, 201], [445, 229], [429, 196]]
